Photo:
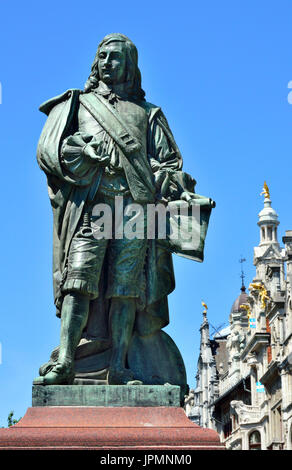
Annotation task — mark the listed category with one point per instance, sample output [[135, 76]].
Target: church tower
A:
[[206, 377], [268, 257]]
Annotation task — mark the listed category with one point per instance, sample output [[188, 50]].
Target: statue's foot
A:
[[61, 374], [135, 382], [121, 377]]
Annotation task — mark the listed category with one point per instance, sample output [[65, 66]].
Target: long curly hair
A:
[[133, 74]]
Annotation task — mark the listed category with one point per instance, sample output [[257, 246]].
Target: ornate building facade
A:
[[244, 373]]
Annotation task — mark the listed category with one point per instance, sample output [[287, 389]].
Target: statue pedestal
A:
[[133, 417]]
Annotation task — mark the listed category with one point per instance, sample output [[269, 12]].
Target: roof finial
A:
[[242, 275], [265, 191]]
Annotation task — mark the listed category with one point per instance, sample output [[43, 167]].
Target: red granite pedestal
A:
[[107, 428]]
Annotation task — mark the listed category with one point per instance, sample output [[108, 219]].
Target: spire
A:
[[205, 337], [268, 220]]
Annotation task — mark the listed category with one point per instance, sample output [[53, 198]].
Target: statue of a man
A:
[[99, 144]]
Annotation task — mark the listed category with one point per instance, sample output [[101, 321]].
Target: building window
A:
[[227, 425], [269, 349], [278, 424], [254, 441]]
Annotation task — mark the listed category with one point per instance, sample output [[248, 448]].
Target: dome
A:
[[241, 299], [268, 214]]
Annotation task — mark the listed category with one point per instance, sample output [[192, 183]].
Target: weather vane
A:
[[242, 275]]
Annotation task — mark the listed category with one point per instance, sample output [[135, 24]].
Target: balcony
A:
[[256, 342]]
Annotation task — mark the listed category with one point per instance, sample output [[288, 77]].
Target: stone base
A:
[[107, 428], [106, 395], [107, 417]]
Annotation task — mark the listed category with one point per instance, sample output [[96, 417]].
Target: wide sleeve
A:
[[166, 161], [162, 149], [73, 157]]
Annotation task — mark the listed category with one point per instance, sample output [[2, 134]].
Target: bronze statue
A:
[[102, 145]]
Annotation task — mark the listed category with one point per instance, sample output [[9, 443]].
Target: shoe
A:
[[61, 374]]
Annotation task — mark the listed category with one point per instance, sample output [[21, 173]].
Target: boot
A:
[[74, 316]]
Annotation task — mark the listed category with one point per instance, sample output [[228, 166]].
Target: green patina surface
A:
[[106, 395], [111, 293]]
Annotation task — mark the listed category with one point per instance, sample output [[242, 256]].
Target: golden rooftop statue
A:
[[266, 191], [206, 308], [246, 307], [263, 293]]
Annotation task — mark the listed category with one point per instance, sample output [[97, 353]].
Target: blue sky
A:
[[220, 72]]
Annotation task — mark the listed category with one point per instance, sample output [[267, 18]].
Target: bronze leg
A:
[[122, 316], [74, 316]]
